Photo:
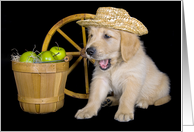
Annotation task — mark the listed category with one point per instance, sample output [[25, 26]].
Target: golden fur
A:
[[132, 76]]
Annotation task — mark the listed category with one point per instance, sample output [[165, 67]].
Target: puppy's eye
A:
[[91, 35], [107, 36]]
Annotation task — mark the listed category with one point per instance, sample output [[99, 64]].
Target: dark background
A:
[[24, 24]]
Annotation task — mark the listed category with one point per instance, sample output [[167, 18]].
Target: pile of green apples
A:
[[55, 53]]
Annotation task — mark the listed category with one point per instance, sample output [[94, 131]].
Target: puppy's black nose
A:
[[90, 51]]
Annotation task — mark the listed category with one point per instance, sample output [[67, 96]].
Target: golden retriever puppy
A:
[[122, 66]]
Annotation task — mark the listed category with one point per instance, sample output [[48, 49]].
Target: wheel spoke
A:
[[86, 76], [73, 53], [75, 64], [92, 61], [84, 35], [69, 39]]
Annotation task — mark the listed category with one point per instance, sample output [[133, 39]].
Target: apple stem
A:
[[57, 45]]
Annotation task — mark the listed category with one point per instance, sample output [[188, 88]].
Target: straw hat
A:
[[116, 18]]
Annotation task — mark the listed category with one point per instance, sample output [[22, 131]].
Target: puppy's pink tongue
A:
[[103, 63]]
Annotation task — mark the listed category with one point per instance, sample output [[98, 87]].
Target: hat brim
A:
[[135, 28]]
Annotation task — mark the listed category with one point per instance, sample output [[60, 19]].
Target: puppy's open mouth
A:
[[104, 64]]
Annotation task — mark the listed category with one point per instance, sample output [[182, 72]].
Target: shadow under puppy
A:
[[121, 66]]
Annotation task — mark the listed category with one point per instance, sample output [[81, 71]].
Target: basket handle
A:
[[68, 58]]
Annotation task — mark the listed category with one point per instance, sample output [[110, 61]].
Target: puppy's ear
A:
[[129, 45]]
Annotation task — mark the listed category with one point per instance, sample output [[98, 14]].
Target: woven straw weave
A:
[[116, 18]]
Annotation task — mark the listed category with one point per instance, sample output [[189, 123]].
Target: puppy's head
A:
[[107, 46]]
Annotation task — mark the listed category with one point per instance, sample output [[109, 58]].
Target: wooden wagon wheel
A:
[[57, 27]]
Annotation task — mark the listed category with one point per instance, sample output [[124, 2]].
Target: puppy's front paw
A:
[[86, 113], [123, 116]]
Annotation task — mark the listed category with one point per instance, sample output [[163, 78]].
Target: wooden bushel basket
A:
[[40, 86]]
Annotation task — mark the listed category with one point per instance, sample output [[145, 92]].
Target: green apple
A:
[[47, 56], [59, 52], [28, 57]]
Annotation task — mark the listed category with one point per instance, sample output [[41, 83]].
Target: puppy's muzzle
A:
[[91, 51]]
